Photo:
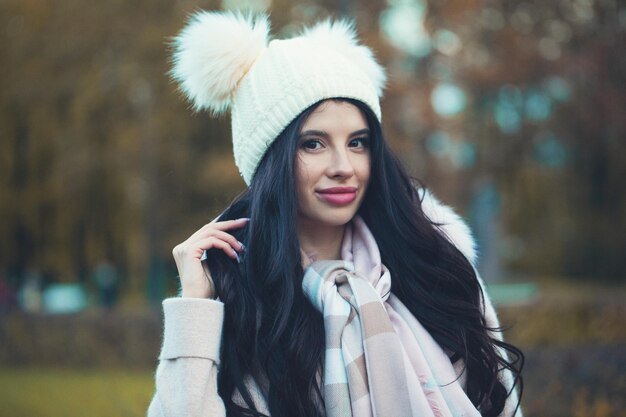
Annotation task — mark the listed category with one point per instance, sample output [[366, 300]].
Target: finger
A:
[[227, 237], [214, 243], [230, 224], [225, 225]]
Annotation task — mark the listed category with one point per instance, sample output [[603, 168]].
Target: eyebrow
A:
[[325, 134]]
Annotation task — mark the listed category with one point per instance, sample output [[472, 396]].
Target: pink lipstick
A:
[[339, 196]]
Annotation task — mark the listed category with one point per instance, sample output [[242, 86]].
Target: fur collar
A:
[[451, 224]]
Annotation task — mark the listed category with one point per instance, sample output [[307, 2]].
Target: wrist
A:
[[197, 293]]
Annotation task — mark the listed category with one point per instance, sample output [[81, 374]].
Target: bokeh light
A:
[[448, 99], [403, 24]]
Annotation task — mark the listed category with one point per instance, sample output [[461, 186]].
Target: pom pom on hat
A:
[[341, 36], [213, 53]]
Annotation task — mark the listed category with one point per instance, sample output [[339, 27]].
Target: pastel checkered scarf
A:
[[379, 360]]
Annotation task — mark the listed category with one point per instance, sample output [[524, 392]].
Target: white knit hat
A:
[[223, 60]]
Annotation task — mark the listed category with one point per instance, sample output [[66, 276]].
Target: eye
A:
[[362, 142], [311, 144]]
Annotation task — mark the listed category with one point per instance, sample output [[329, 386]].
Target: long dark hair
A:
[[273, 334]]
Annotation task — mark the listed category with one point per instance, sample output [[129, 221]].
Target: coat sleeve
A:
[[186, 377], [459, 234]]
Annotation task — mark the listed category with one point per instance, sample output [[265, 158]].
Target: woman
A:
[[332, 285]]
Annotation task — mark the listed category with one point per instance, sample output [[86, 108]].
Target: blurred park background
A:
[[513, 112]]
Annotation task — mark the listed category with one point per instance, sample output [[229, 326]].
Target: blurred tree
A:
[[101, 159], [530, 94]]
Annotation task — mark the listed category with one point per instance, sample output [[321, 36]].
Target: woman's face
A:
[[332, 164]]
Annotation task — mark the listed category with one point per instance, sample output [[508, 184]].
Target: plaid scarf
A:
[[379, 360]]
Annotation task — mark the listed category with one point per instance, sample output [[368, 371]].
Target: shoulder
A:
[[450, 224]]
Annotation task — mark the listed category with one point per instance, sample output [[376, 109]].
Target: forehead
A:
[[335, 114]]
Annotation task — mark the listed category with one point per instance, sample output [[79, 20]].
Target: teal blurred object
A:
[[507, 109], [448, 99], [549, 151], [507, 294], [64, 298], [537, 106], [403, 25]]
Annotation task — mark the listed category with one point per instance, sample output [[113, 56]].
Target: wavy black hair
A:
[[273, 334]]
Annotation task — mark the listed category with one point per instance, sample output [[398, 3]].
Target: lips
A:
[[338, 196]]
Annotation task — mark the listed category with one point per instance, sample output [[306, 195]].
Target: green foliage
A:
[[71, 393]]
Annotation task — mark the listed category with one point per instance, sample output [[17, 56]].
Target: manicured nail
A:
[[237, 256], [243, 247], [244, 218]]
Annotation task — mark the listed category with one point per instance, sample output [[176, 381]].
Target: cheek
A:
[[303, 178], [305, 172], [365, 169]]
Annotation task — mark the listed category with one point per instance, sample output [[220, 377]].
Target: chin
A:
[[336, 217]]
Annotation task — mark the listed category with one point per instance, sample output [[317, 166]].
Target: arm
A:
[[186, 378]]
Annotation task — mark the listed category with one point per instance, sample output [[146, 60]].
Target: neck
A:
[[320, 242]]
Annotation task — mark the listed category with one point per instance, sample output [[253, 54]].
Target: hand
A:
[[195, 279]]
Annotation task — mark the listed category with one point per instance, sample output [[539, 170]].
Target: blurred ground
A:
[[573, 335], [74, 393], [574, 338]]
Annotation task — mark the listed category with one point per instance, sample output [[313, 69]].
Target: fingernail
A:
[[244, 218], [243, 247], [237, 256]]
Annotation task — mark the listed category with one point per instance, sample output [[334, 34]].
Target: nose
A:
[[340, 165]]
